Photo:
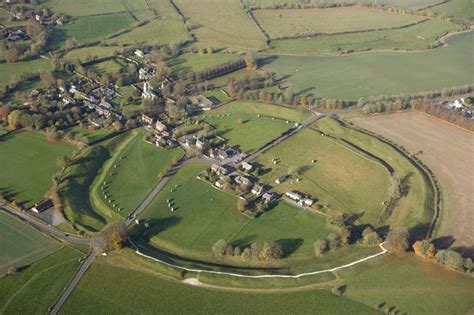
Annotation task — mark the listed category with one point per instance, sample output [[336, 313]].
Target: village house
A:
[[268, 197], [280, 180], [247, 167], [219, 170], [258, 189], [201, 101], [145, 74], [220, 183], [147, 120], [139, 53], [242, 180], [160, 126]]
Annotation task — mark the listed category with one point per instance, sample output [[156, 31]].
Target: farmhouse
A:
[[146, 73], [268, 197], [246, 166], [219, 170], [242, 180], [139, 53], [147, 93], [280, 180], [220, 183]]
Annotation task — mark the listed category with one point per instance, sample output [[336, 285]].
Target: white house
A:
[[293, 195], [139, 53]]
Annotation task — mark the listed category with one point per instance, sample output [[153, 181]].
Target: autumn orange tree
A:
[[113, 236], [424, 249]]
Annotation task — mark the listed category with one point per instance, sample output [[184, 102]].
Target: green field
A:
[[95, 7], [195, 226], [8, 71], [111, 289], [222, 23], [342, 179], [238, 122], [410, 285], [418, 196], [419, 36], [109, 66], [91, 28], [197, 62], [367, 74], [91, 136], [35, 289], [457, 9], [299, 22], [96, 51], [28, 161], [135, 174], [21, 244]]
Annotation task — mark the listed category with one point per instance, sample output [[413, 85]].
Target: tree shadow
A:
[[290, 245], [443, 242], [465, 251], [156, 226], [418, 232], [244, 242]]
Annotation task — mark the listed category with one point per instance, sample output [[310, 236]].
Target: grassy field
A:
[[368, 74], [300, 22], [238, 122], [134, 176], [222, 23], [74, 191], [439, 143], [342, 179], [21, 244], [197, 62], [91, 136], [8, 71], [91, 28], [96, 7], [97, 51], [419, 36], [410, 285], [35, 289], [418, 196], [458, 9], [412, 4], [109, 66], [111, 289], [28, 162], [195, 226]]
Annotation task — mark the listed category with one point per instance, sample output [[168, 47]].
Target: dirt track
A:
[[449, 152]]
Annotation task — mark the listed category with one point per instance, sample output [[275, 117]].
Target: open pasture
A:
[[113, 289], [239, 124], [341, 179], [204, 215], [372, 74], [449, 152], [457, 9], [415, 37], [35, 289], [222, 23], [299, 22], [410, 285], [417, 193], [9, 71], [21, 244], [95, 7], [83, 53], [132, 171], [193, 62], [28, 161]]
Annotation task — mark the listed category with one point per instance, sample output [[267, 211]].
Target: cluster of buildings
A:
[[462, 105], [14, 35], [300, 199], [161, 132]]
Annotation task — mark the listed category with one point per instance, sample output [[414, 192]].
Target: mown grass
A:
[[28, 161], [410, 285], [113, 289], [412, 4], [94, 7], [239, 124], [341, 179], [362, 75], [415, 37], [97, 51], [140, 166], [457, 9], [34, 289], [21, 244], [296, 22], [204, 215]]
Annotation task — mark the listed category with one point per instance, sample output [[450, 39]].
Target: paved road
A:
[[45, 228], [86, 263], [283, 137]]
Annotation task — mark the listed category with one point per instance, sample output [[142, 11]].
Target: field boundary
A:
[[296, 276]]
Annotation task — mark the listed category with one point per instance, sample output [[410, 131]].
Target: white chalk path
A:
[[384, 251]]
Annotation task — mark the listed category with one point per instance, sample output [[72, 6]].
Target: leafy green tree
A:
[[397, 240], [219, 248]]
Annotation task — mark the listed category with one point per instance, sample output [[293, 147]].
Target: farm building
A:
[[160, 126], [293, 195], [201, 101], [42, 206]]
